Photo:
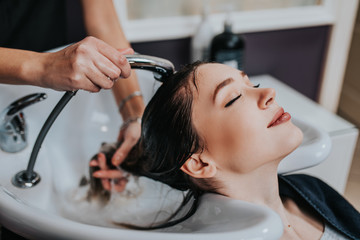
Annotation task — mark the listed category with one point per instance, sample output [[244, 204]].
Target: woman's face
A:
[[243, 127]]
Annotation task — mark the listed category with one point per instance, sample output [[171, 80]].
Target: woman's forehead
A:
[[210, 74]]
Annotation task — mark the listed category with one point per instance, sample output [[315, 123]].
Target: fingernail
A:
[[96, 174]]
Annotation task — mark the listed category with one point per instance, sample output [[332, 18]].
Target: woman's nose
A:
[[266, 98]]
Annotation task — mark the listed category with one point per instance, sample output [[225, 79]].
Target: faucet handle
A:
[[13, 129], [16, 106]]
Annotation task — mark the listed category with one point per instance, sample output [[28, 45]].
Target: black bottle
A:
[[228, 48]]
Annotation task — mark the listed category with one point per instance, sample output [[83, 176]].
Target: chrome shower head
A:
[[160, 67]]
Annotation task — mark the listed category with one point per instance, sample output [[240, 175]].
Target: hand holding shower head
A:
[[161, 68]]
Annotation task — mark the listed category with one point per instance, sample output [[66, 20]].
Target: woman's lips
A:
[[279, 118]]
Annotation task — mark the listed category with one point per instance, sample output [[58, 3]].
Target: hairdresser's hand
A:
[[129, 136], [90, 64], [114, 177]]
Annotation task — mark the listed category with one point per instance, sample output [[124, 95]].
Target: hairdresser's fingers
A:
[[106, 177], [107, 68], [123, 151], [116, 57], [94, 163], [99, 76], [102, 161], [106, 183], [120, 185], [88, 85], [126, 51], [112, 174], [130, 135], [118, 157]]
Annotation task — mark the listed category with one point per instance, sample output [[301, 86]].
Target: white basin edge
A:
[[49, 226], [307, 155]]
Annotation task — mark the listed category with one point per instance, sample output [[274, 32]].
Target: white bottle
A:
[[200, 43]]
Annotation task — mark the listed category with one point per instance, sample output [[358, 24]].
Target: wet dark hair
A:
[[168, 139]]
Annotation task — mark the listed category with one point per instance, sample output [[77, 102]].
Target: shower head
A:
[[160, 67]]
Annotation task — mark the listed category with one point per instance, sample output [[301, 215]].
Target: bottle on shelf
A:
[[227, 47], [200, 43]]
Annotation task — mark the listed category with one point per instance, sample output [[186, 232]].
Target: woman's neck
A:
[[261, 187]]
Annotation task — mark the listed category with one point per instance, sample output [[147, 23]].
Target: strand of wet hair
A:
[[166, 224]]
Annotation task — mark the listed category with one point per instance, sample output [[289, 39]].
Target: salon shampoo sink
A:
[[314, 149], [56, 208]]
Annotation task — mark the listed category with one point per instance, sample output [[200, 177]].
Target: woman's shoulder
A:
[[332, 207]]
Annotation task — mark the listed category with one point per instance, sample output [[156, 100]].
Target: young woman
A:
[[209, 129]]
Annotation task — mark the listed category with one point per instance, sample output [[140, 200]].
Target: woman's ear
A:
[[198, 167]]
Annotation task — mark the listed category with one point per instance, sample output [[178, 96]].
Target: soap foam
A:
[[143, 202]]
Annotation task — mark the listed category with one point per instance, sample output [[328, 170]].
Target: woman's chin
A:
[[299, 136], [295, 139]]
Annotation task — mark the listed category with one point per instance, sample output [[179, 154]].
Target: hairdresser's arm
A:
[[102, 22], [83, 65]]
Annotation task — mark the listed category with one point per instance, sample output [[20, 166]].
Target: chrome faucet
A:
[[13, 128], [161, 69]]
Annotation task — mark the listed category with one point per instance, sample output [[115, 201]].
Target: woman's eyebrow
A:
[[221, 85]]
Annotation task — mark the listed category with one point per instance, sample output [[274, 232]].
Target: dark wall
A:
[[293, 56], [177, 51]]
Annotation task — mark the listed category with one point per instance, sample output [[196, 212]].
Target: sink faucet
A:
[[13, 129], [161, 69]]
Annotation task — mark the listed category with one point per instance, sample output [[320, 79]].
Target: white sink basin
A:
[[314, 148], [55, 208]]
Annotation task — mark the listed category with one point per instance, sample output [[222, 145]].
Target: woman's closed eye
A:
[[232, 101], [237, 97]]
